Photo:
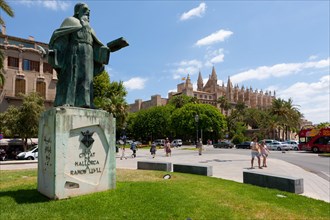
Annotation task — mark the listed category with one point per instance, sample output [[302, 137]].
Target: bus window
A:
[[322, 140], [302, 140]]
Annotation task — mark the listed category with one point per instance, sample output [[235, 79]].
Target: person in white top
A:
[[264, 153]]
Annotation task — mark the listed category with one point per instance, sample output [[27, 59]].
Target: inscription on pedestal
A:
[[76, 149], [87, 165]]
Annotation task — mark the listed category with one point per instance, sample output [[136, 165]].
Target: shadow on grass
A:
[[25, 196]]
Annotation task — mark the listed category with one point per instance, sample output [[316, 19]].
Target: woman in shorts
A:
[[264, 153]]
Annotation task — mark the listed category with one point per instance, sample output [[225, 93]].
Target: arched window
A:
[[19, 86]]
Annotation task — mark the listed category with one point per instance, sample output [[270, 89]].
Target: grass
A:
[[146, 195]]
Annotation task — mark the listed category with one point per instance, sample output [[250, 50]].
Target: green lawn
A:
[[146, 195]]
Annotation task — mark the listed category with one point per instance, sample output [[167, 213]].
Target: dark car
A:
[[244, 145], [223, 144]]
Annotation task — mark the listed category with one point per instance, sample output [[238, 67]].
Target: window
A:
[[31, 65], [322, 140], [26, 64], [13, 62], [48, 68], [19, 86], [41, 89]]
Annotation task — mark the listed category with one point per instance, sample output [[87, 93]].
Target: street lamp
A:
[[124, 132], [196, 119]]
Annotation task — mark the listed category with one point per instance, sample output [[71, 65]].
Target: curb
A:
[[18, 162]]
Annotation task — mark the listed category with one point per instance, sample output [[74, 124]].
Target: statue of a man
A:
[[77, 56]]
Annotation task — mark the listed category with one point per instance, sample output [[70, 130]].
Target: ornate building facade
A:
[[25, 71], [211, 92]]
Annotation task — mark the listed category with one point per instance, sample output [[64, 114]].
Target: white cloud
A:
[[136, 83], [172, 90], [312, 98], [278, 70], [216, 37], [213, 57], [49, 4], [313, 57], [186, 67], [195, 12]]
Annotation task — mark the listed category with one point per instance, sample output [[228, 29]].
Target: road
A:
[[308, 161]]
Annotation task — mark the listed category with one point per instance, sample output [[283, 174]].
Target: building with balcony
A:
[[25, 71]]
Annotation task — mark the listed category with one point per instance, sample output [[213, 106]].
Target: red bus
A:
[[313, 139]]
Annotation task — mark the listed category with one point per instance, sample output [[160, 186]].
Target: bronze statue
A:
[[77, 56]]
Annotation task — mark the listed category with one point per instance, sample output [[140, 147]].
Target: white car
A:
[[29, 155], [176, 143], [276, 145], [294, 144]]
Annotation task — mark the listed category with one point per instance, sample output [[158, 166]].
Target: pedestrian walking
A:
[[167, 146], [153, 150], [255, 152], [133, 148], [199, 146], [264, 153], [123, 152]]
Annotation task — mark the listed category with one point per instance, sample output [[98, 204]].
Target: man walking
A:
[[255, 152]]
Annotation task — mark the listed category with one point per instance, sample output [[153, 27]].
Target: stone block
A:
[[151, 165], [284, 183], [76, 152], [193, 169]]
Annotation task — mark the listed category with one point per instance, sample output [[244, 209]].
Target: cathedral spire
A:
[[229, 84], [199, 82], [214, 75], [188, 81]]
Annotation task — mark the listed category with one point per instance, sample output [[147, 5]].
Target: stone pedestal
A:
[[76, 152]]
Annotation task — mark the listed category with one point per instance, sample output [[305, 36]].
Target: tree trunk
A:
[[24, 141]]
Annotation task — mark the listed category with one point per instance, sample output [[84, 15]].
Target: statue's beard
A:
[[85, 18]]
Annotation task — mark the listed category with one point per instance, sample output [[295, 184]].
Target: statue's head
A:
[[81, 11]]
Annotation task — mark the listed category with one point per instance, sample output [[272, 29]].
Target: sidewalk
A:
[[231, 167], [225, 166]]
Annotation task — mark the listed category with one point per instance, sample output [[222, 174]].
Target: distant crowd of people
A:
[[258, 150]]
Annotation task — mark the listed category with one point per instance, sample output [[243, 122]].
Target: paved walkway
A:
[[225, 166], [231, 167]]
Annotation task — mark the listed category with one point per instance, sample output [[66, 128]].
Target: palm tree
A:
[[6, 8], [224, 104], [293, 117], [180, 100], [287, 114]]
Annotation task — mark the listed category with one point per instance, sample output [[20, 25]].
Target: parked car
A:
[[138, 143], [159, 142], [224, 144], [244, 145], [29, 155], [294, 144], [176, 143], [276, 145], [129, 141]]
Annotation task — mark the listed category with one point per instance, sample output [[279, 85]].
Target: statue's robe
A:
[[77, 57]]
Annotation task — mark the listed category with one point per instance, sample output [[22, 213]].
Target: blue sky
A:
[[268, 45]]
